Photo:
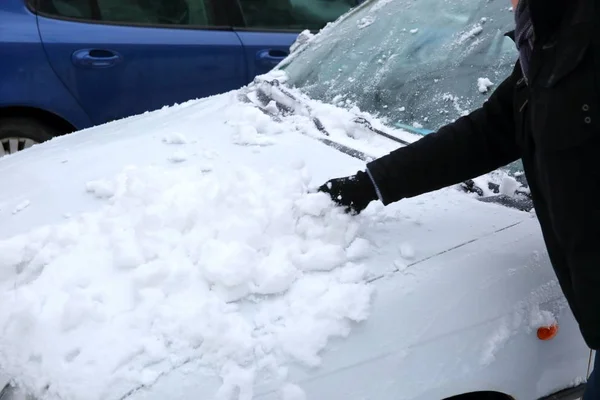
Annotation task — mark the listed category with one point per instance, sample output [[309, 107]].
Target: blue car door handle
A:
[[271, 57], [96, 58]]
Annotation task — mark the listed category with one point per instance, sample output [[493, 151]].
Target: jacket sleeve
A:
[[471, 146]]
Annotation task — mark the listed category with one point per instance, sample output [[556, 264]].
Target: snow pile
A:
[[240, 271], [484, 84]]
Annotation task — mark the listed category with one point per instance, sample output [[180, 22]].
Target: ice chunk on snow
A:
[[407, 251], [366, 21], [508, 186], [178, 157], [175, 138], [248, 136], [102, 189], [484, 84], [151, 276], [21, 206], [400, 265], [253, 125]]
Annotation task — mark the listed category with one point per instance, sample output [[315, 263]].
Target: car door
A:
[[267, 28], [125, 57]]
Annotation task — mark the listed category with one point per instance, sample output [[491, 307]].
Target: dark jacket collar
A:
[[510, 34], [547, 15]]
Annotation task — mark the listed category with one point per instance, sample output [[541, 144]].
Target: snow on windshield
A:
[[395, 59], [114, 299]]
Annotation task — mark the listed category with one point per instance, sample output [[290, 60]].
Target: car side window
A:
[[135, 12], [78, 9], [292, 14]]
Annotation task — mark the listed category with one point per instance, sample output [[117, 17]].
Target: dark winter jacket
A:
[[552, 123]]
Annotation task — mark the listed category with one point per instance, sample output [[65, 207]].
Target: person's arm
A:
[[471, 146]]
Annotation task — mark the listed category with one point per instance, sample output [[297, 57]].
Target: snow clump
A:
[[244, 272], [484, 84]]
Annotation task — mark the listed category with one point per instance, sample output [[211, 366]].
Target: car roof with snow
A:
[[184, 253]]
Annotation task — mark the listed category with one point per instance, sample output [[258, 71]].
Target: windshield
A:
[[413, 63]]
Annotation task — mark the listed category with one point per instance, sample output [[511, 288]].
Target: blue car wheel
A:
[[17, 134]]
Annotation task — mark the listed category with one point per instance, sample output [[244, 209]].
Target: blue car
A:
[[66, 65]]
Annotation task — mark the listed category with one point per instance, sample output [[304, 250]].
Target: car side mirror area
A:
[[520, 197]]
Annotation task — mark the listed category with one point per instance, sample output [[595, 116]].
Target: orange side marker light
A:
[[547, 332]]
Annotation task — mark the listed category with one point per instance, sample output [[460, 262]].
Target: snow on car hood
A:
[[191, 234]]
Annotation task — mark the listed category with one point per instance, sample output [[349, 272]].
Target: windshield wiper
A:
[[288, 104], [285, 108], [365, 122]]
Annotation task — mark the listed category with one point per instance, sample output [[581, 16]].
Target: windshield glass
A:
[[414, 63]]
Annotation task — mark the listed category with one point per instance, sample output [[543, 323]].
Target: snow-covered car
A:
[[184, 253]]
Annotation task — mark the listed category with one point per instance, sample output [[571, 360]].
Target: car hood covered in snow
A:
[[183, 254]]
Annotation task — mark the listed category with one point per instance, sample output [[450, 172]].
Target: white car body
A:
[[460, 286]]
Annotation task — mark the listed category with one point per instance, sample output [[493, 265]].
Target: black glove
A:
[[354, 193]]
